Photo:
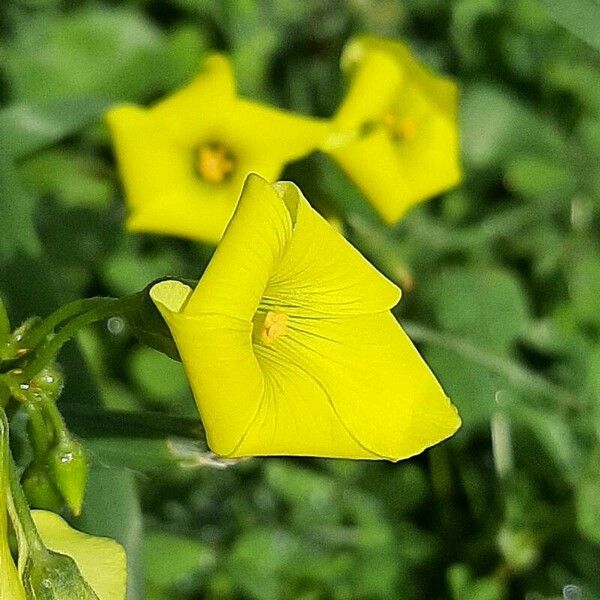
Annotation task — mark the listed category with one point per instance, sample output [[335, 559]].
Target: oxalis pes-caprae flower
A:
[[290, 346], [183, 161], [396, 132]]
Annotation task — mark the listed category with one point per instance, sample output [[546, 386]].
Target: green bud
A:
[[49, 380], [68, 469], [10, 346], [53, 576], [40, 491]]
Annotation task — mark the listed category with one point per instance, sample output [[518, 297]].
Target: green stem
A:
[[518, 375], [56, 420], [66, 312], [38, 429], [21, 507], [47, 351], [88, 422], [18, 505]]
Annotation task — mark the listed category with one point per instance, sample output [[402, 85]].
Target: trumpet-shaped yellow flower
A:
[[396, 133], [184, 160], [289, 344], [101, 561]]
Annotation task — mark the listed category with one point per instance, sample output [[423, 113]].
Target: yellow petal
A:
[[412, 151], [201, 99], [289, 344], [382, 77], [353, 388], [156, 150], [101, 561], [10, 584]]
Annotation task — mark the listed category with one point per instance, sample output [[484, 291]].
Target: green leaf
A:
[[185, 559], [73, 178], [312, 495], [587, 500], [554, 434], [496, 312], [472, 390], [127, 269], [259, 560], [160, 378], [115, 53], [585, 287], [580, 17], [464, 587], [496, 124], [541, 177], [17, 228], [29, 126], [112, 510]]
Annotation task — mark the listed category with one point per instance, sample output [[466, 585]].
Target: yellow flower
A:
[[289, 344], [10, 584], [397, 129], [184, 160], [101, 561]]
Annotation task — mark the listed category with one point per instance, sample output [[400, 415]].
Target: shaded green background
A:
[[505, 306]]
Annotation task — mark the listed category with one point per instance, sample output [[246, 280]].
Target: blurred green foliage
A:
[[505, 300]]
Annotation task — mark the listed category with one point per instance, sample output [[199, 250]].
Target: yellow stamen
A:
[[214, 162], [407, 129], [274, 326], [401, 128]]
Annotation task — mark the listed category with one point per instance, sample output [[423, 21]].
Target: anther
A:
[[274, 326], [214, 162]]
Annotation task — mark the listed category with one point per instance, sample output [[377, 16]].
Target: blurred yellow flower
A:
[[396, 132], [289, 344], [183, 161], [101, 561]]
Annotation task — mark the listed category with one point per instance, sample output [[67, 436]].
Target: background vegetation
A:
[[504, 305]]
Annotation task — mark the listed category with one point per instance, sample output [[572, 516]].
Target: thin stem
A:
[[17, 501], [56, 419], [515, 373], [33, 337], [92, 423], [38, 429], [48, 351], [21, 507]]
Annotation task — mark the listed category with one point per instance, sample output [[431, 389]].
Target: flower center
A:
[[404, 129], [214, 162], [274, 326]]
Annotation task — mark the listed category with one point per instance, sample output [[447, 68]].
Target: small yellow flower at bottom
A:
[[184, 160], [289, 344], [396, 133], [10, 584], [101, 561]]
